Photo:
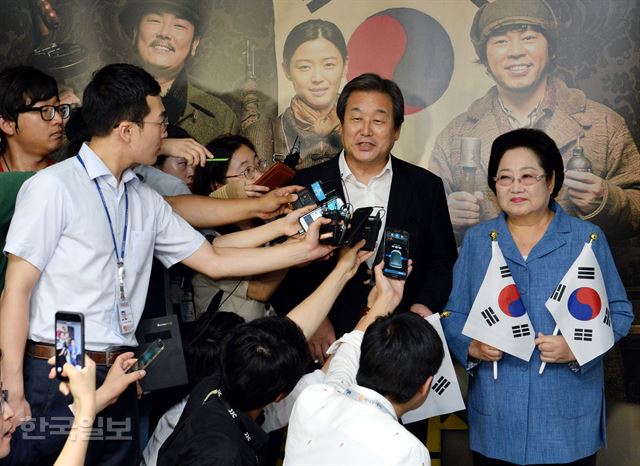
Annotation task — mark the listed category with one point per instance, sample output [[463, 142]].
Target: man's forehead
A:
[[158, 10], [29, 102], [155, 104], [381, 102], [515, 28]]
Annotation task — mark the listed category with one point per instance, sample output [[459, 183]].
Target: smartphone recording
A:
[[69, 341], [396, 253], [333, 204]]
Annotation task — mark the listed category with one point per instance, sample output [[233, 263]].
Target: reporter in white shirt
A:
[[352, 418]]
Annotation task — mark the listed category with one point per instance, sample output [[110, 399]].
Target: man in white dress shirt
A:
[[353, 419], [82, 239]]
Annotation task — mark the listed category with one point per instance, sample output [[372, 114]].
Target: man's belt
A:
[[102, 358]]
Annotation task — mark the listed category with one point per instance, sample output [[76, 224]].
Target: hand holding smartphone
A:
[[150, 354], [335, 203], [69, 341], [396, 253]]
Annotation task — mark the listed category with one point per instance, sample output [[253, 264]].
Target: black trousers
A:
[[114, 438], [481, 460]]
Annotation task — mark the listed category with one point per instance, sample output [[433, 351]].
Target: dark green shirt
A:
[[10, 184]]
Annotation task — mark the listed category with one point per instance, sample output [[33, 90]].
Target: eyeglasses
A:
[[4, 398], [48, 112], [163, 124], [525, 180], [249, 172]]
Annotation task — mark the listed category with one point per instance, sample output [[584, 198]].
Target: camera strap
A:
[[232, 414]]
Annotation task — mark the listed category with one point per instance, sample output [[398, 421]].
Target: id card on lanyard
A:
[[123, 309]]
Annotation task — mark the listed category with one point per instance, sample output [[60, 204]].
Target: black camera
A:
[[334, 232], [349, 229], [370, 232], [317, 194]]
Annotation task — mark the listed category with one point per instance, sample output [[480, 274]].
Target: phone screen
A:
[[69, 341], [318, 191], [396, 253], [334, 203], [148, 356]]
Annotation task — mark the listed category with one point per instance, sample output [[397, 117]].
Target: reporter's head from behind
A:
[[400, 354], [261, 363], [372, 380]]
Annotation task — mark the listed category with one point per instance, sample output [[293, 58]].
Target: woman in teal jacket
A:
[[524, 417]]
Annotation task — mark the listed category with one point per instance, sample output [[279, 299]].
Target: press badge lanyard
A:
[[125, 315], [355, 395]]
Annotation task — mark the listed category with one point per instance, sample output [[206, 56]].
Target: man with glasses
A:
[[31, 124], [31, 119]]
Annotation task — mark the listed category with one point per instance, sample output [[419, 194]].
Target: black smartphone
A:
[[314, 194], [148, 356], [69, 340], [396, 253], [356, 225]]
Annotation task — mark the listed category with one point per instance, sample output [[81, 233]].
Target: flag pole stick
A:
[[495, 370], [544, 364]]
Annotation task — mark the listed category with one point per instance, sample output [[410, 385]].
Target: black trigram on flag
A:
[[505, 272], [587, 273], [522, 330], [557, 294], [441, 385], [490, 316], [607, 317], [583, 334]]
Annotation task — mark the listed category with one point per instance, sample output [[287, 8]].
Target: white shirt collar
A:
[[96, 167], [375, 397], [347, 174]]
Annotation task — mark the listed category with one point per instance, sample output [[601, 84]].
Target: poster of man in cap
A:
[[516, 41]]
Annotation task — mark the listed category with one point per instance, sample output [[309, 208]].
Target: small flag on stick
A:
[[580, 307], [498, 316]]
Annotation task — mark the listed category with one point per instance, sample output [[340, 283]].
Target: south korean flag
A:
[[580, 307], [498, 317], [444, 396]]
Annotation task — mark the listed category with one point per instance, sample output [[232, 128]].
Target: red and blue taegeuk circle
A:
[[510, 302], [584, 303], [407, 46]]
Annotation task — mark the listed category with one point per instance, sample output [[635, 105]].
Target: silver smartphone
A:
[[150, 354], [335, 203]]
